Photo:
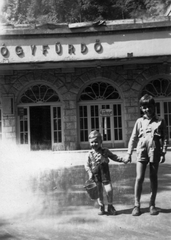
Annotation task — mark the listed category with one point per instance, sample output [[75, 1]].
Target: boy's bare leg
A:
[[109, 193], [154, 187], [140, 174], [154, 182], [100, 192], [100, 199]]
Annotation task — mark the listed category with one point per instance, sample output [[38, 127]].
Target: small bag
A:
[[92, 190]]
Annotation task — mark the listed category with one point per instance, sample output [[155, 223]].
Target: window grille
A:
[[24, 127], [158, 88], [99, 91], [57, 123], [39, 94]]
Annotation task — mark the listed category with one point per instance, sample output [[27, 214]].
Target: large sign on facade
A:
[[110, 46]]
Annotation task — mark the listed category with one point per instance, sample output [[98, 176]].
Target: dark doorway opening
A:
[[40, 128]]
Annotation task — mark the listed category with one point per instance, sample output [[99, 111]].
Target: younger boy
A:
[[150, 134], [97, 167]]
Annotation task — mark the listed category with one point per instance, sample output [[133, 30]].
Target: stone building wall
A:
[[128, 79]]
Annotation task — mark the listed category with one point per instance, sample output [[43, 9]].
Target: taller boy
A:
[[150, 134]]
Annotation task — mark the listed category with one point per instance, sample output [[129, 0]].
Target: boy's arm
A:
[[164, 142], [113, 156], [88, 168], [133, 139], [164, 138]]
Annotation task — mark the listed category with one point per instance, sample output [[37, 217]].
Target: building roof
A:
[[86, 27]]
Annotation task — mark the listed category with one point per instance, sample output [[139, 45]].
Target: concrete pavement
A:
[[65, 212]]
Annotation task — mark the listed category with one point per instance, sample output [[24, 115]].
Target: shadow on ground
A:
[[65, 187]]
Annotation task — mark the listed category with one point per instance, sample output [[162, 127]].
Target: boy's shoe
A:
[[101, 210], [153, 210], [136, 211], [111, 210]]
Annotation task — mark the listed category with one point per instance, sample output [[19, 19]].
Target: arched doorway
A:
[[100, 108], [160, 89], [39, 118]]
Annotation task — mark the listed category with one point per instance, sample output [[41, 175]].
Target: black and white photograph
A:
[[85, 120]]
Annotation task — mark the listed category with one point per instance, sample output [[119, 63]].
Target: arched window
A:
[[99, 91], [160, 89], [100, 108], [39, 94]]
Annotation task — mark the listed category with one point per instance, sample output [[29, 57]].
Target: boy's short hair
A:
[[147, 100], [95, 134]]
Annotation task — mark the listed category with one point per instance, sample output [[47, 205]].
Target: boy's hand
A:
[[123, 160], [162, 158], [127, 159]]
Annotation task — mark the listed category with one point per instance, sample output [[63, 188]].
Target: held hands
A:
[[127, 159]]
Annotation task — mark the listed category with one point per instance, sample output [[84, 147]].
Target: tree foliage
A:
[[69, 11]]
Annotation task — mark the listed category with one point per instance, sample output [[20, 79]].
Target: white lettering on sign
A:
[[106, 112]]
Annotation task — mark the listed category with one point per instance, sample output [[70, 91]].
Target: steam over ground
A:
[[27, 178]]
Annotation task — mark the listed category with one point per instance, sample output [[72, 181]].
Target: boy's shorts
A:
[[148, 150]]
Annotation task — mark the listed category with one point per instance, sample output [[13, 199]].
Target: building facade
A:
[[59, 82]]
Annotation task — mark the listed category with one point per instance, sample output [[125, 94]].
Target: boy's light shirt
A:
[[105, 154], [144, 126]]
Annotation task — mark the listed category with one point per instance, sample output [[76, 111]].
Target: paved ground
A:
[[80, 220]]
